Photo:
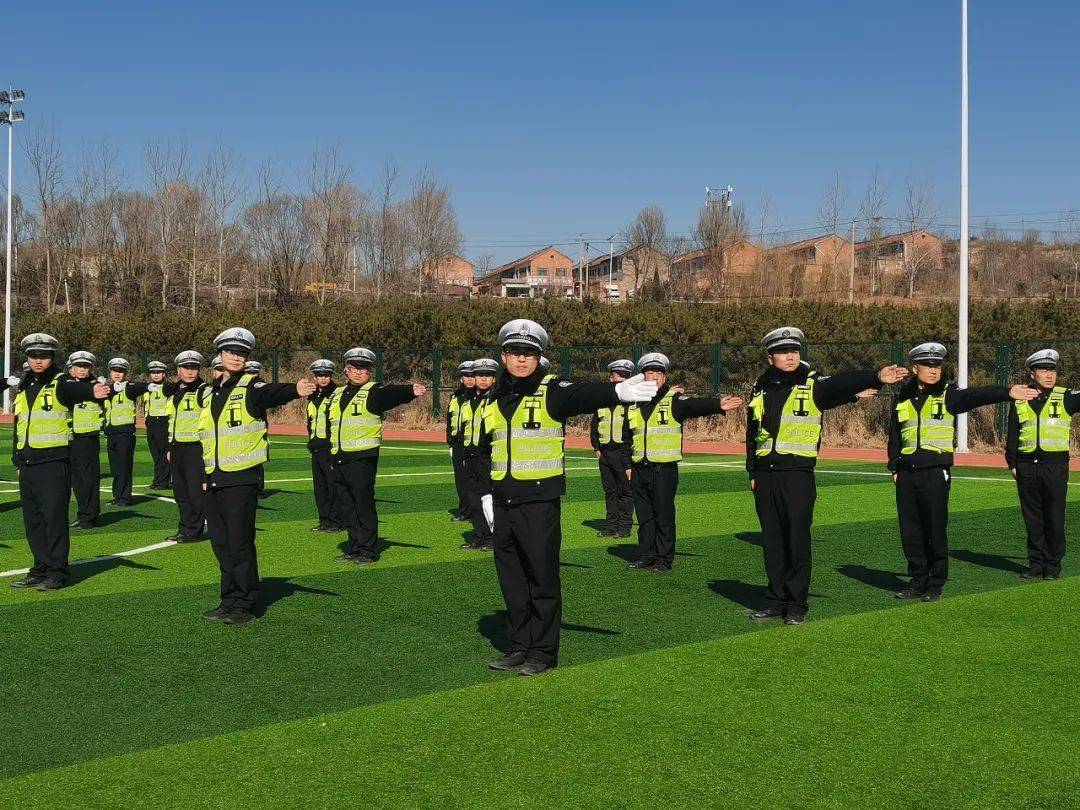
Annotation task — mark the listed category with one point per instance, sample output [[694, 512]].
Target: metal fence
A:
[[703, 369]]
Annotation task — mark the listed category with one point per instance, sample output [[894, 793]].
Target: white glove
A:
[[119, 386], [635, 389], [487, 504], [102, 381], [13, 381], [153, 386]]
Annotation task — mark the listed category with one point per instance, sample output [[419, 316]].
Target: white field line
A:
[[118, 555]]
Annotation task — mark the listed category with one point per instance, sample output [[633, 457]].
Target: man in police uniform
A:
[[232, 429], [120, 428], [86, 419], [324, 477], [156, 405], [657, 435], [1037, 452], [42, 406], [610, 439], [525, 424], [922, 435], [783, 434], [454, 437], [356, 414], [184, 400], [476, 455]]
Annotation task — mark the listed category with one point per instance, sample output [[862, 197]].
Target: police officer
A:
[[42, 406], [156, 405], [253, 367], [120, 428], [232, 429], [476, 455], [657, 435], [454, 437], [356, 415], [323, 475], [783, 434], [184, 453], [217, 368], [610, 438], [922, 436], [86, 421], [525, 424], [1037, 452]]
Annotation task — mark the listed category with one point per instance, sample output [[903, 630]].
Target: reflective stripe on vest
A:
[[659, 438], [609, 425], [44, 425], [528, 446], [86, 418], [800, 424], [930, 428], [356, 428], [317, 417], [157, 403], [453, 410], [466, 413], [1047, 429], [236, 440], [184, 418], [470, 430], [119, 409]]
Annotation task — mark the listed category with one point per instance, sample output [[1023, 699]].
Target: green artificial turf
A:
[[372, 680]]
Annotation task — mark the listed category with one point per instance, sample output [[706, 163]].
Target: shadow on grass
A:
[[1001, 562], [753, 538], [874, 577], [596, 523], [274, 589], [749, 596], [84, 571], [492, 626], [624, 551], [109, 518]]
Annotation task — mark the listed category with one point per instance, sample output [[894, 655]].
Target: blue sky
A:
[[554, 118]]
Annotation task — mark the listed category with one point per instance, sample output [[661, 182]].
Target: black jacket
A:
[[776, 385], [260, 398], [1012, 433], [564, 400], [380, 399], [957, 401], [316, 399], [70, 392], [134, 391], [622, 443]]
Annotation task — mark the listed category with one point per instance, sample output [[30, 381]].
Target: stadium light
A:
[[10, 116]]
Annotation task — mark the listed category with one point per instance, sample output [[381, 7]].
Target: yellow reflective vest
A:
[[119, 409], [1046, 430], [609, 425], [46, 423], [318, 416], [930, 427], [235, 440], [185, 416], [657, 439], [86, 418], [799, 433], [529, 445], [353, 428]]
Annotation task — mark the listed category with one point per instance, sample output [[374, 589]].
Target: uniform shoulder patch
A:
[[682, 396], [258, 385], [815, 377], [565, 383], [1074, 390]]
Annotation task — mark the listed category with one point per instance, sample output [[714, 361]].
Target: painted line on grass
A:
[[118, 555]]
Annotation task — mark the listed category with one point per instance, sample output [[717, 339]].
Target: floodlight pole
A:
[[12, 97], [962, 337]]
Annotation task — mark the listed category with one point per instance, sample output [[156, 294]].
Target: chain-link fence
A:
[[703, 369]]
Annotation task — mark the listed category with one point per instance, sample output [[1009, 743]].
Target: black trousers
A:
[[121, 450], [477, 485], [784, 500], [1043, 489], [457, 459], [922, 503], [86, 476], [157, 439], [187, 484], [327, 491], [230, 516], [527, 540], [618, 501], [358, 478], [654, 488], [44, 490]]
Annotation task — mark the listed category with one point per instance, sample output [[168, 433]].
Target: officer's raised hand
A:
[[419, 390], [1023, 392], [636, 389], [305, 387], [102, 390], [730, 403], [892, 374]]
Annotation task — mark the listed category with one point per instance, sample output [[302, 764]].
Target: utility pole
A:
[[581, 266], [610, 264], [10, 116], [851, 272]]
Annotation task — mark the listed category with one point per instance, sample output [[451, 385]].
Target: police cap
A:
[[928, 354], [322, 367], [653, 361], [523, 333], [119, 364], [485, 367], [465, 369], [360, 356], [81, 357], [785, 338], [235, 338], [156, 367], [1044, 358], [190, 359], [624, 368], [216, 363], [252, 367], [40, 342]]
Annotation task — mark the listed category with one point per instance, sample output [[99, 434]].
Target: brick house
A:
[[701, 270], [816, 264], [544, 273], [620, 277], [890, 253], [449, 275]]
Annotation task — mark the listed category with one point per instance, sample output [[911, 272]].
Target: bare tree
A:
[[43, 154], [331, 217], [223, 191], [918, 214], [648, 240], [718, 230], [833, 201], [432, 224], [383, 235], [871, 208], [1070, 240], [276, 224], [165, 166]]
